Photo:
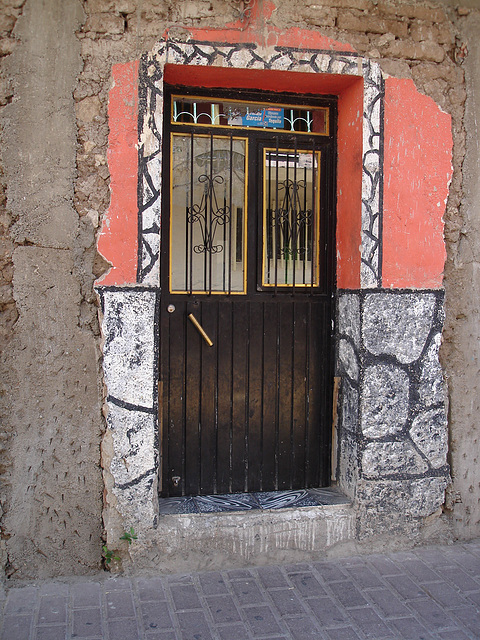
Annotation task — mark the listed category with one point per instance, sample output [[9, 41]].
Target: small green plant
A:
[[129, 536], [108, 554]]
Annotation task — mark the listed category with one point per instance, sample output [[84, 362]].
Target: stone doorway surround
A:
[[392, 427]]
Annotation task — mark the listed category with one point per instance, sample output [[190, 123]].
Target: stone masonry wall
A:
[[50, 397], [393, 454]]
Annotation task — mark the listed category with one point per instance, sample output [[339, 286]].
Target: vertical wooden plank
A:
[[285, 398], [174, 409], [315, 358], [193, 376], [269, 449], [299, 378], [326, 382], [240, 397], [208, 438], [255, 395], [225, 401]]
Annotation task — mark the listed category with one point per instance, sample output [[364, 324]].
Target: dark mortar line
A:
[[135, 288], [137, 480], [129, 406], [443, 472]]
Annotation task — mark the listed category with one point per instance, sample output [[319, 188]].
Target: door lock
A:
[[171, 308], [176, 480]]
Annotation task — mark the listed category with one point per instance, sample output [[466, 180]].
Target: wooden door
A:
[[246, 303]]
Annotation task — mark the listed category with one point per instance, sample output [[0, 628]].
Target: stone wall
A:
[[392, 417], [56, 181]]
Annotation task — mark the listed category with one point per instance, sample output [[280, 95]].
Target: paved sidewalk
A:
[[429, 593]]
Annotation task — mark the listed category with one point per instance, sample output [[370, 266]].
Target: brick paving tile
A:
[[161, 635], [155, 616], [272, 577], [213, 584], [16, 628], [445, 595], [53, 609], [433, 616], [306, 584], [348, 594], [193, 625], [247, 592], [185, 597], [51, 633], [117, 584], [406, 587], [461, 579], [469, 618], [286, 602], [364, 577], [473, 596], [371, 624], [223, 609], [330, 572], [387, 602], [150, 590], [54, 589], [120, 604], [409, 628], [233, 632], [85, 594], [385, 566], [87, 622], [20, 601], [261, 620], [417, 595], [419, 570], [303, 628], [342, 633], [125, 629], [327, 612]]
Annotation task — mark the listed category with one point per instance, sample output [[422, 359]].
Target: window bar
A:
[[224, 252], [314, 224], [275, 221], [269, 221], [294, 216], [230, 219], [187, 199], [210, 219], [287, 221], [191, 213], [306, 218], [195, 112]]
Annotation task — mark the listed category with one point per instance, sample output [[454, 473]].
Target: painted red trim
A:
[[118, 239], [349, 185], [417, 172]]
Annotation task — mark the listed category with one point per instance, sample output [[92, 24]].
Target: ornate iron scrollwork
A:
[[292, 221], [208, 215]]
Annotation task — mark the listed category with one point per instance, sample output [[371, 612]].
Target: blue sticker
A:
[[272, 118]]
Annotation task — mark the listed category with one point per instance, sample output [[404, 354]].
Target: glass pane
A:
[[228, 113], [208, 214], [290, 218]]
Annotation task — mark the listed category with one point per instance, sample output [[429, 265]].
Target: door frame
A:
[[327, 212]]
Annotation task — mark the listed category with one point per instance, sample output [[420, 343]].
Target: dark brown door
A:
[[246, 299]]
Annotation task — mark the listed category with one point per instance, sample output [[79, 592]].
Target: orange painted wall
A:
[[349, 185], [118, 238], [417, 171]]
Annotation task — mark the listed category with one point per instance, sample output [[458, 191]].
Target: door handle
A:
[[200, 329]]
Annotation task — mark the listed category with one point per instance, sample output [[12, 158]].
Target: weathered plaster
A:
[[52, 489]]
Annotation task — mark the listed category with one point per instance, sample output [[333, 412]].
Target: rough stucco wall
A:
[[51, 490], [461, 352]]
